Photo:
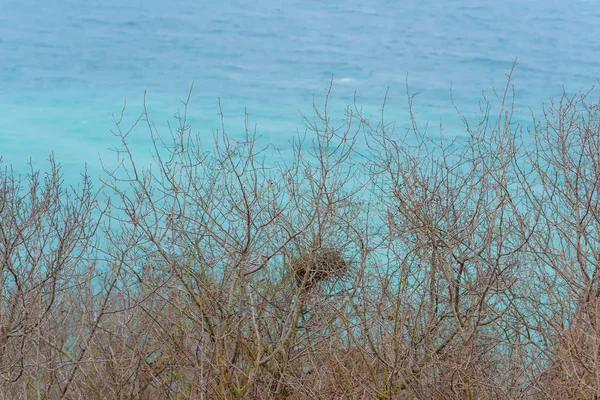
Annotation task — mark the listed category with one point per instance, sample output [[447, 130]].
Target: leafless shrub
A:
[[365, 263]]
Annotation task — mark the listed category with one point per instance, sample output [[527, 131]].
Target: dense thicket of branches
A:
[[367, 263]]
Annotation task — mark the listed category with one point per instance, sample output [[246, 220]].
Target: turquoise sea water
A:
[[67, 65]]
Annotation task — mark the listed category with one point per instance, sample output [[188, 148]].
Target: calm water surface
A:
[[66, 66]]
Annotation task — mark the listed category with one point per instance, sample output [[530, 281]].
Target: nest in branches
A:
[[319, 265]]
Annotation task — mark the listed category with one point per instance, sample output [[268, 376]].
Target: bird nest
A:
[[319, 265]]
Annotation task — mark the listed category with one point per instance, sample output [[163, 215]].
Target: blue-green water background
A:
[[67, 65]]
